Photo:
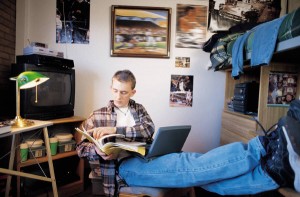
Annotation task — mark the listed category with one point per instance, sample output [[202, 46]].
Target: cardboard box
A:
[[97, 186]]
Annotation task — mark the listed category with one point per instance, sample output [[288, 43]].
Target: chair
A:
[[136, 191], [156, 192]]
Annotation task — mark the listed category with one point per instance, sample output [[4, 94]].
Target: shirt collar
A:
[[110, 106]]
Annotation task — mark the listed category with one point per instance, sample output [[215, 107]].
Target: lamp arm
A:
[[17, 100]]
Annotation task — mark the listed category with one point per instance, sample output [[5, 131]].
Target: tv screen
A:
[[54, 92], [55, 97]]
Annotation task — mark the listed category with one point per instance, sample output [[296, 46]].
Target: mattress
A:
[[289, 28]]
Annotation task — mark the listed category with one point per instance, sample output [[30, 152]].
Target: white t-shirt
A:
[[124, 117]]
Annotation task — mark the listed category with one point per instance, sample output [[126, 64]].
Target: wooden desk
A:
[[38, 125]]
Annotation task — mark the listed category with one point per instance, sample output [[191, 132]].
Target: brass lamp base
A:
[[19, 122]]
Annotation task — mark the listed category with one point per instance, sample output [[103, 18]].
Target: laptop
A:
[[292, 133], [168, 140]]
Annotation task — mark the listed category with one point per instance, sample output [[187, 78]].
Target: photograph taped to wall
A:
[[224, 14], [140, 31], [182, 62], [181, 91], [282, 88], [73, 21], [191, 26]]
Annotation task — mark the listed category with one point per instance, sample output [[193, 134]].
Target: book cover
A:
[[115, 147], [5, 127]]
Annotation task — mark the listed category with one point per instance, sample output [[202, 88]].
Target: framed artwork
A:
[[140, 31], [191, 26], [282, 88]]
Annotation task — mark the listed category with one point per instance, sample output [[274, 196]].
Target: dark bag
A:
[[294, 110], [209, 44]]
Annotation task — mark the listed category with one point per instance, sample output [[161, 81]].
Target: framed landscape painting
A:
[[140, 31]]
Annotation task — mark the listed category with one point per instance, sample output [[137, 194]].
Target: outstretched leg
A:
[[253, 182], [193, 169]]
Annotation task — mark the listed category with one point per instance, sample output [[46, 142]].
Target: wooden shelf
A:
[[30, 162], [70, 188], [266, 115], [239, 114], [68, 120]]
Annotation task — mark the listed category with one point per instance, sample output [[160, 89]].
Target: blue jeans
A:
[[233, 169]]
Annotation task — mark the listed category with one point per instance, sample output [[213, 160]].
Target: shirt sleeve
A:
[[86, 148]]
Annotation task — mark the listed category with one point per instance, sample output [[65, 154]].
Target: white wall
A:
[[94, 69]]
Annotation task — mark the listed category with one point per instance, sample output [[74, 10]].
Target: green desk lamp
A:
[[25, 80]]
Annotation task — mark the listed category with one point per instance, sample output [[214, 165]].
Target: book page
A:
[[115, 147], [138, 147], [89, 137]]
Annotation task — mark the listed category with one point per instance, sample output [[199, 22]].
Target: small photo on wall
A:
[[181, 91], [282, 88], [182, 62]]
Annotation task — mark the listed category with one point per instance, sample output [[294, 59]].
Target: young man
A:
[[233, 169]]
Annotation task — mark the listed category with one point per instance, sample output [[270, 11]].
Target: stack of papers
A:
[[5, 127]]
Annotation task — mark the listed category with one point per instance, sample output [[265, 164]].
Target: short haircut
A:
[[125, 76]]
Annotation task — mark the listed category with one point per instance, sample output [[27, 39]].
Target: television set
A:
[[55, 97]]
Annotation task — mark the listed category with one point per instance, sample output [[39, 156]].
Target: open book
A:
[[115, 147]]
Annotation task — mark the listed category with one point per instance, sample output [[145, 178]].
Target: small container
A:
[[66, 146], [64, 137], [53, 145], [24, 151], [37, 152], [34, 143]]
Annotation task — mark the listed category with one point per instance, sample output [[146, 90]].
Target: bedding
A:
[[221, 54]]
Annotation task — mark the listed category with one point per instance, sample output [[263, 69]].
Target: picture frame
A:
[[138, 31]]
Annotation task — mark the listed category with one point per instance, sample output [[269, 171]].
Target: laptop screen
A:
[[169, 140]]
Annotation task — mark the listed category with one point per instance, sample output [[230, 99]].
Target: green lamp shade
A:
[[29, 79]]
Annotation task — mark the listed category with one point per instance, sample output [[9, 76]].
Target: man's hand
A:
[[101, 131], [98, 133], [104, 156]]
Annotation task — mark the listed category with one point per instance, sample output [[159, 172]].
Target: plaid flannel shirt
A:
[[219, 55], [142, 131]]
